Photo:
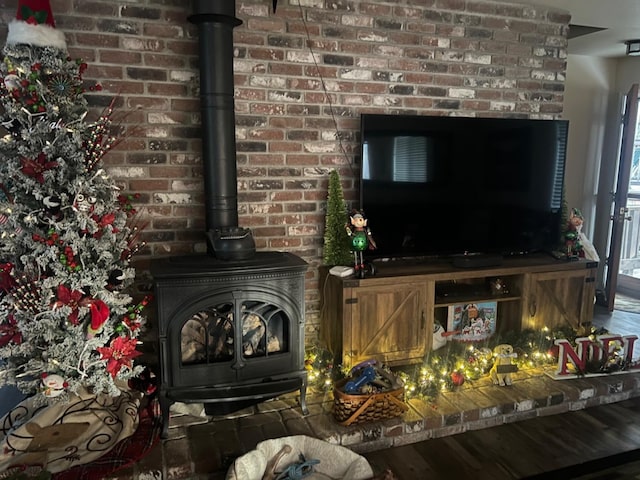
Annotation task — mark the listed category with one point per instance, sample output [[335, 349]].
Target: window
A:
[[410, 159]]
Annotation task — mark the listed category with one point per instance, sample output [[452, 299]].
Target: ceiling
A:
[[598, 27]]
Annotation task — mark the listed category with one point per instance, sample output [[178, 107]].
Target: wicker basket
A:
[[353, 409]]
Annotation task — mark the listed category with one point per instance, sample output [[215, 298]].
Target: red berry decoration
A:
[[457, 378]]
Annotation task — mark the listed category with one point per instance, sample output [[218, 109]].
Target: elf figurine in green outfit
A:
[[361, 240]]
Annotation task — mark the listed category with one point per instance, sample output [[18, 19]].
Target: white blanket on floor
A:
[[336, 462]]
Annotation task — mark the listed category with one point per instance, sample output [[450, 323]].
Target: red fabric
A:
[[126, 452], [35, 12]]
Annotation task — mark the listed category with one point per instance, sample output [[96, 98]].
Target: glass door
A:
[[629, 270], [623, 249]]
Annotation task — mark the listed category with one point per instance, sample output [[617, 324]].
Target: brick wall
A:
[[302, 78]]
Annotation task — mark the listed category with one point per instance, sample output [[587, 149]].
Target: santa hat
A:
[[34, 25]]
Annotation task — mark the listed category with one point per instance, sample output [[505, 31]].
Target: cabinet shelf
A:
[[456, 300]]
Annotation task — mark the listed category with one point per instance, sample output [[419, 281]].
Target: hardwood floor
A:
[[624, 323], [556, 446], [566, 446]]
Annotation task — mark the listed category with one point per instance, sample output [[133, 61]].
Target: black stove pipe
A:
[[216, 21]]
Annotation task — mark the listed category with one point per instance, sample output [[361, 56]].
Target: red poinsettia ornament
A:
[[36, 168], [74, 299], [103, 222], [120, 353], [9, 332], [6, 280]]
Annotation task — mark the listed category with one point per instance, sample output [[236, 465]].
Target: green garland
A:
[[447, 368]]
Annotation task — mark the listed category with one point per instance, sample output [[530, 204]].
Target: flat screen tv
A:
[[441, 186]]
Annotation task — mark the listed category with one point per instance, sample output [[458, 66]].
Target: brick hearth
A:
[[203, 447]]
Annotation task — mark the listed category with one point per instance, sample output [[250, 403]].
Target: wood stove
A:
[[231, 322], [230, 333]]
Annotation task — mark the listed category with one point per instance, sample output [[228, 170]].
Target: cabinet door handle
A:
[[533, 307], [422, 320]]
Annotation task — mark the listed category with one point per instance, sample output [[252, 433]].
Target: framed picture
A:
[[471, 322]]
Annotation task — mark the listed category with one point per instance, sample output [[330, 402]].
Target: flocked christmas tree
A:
[[66, 234], [336, 241]]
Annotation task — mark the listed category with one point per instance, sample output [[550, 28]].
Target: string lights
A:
[[450, 367], [26, 295], [101, 138]]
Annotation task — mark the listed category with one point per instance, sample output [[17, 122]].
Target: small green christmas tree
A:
[[336, 241]]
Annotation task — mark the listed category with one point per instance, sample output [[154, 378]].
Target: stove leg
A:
[[165, 405], [303, 396]]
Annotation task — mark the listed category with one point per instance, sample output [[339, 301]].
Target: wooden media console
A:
[[391, 316]]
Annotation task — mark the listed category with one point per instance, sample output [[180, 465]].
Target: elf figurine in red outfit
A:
[[361, 240], [572, 235]]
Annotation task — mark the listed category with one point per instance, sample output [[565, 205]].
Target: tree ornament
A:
[[57, 308], [53, 385], [84, 203], [457, 378], [115, 278], [67, 257], [145, 383], [10, 332], [34, 25], [126, 203], [102, 222], [100, 140], [36, 168], [99, 315], [73, 299], [133, 245], [26, 295], [6, 280], [59, 84], [52, 205], [132, 320], [120, 353], [11, 82]]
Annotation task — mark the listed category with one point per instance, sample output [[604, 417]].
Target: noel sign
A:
[[574, 360]]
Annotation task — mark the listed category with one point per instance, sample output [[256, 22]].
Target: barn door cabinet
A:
[[386, 320], [391, 316], [559, 298]]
